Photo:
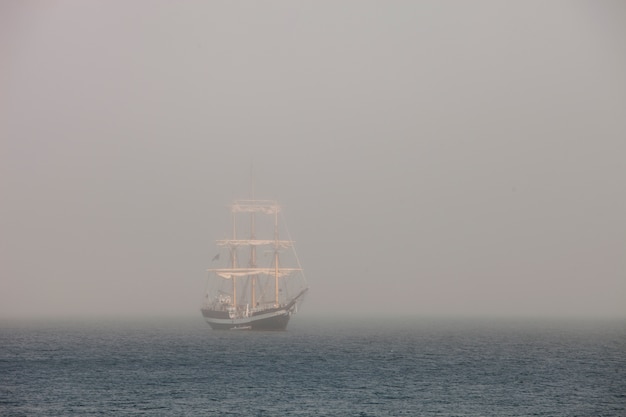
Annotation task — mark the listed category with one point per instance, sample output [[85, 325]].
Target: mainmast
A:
[[252, 260], [276, 240], [233, 258], [252, 247]]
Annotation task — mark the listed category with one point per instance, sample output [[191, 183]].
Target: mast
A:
[[253, 259], [276, 257], [252, 247], [233, 258]]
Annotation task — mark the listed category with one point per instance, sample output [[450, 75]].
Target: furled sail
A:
[[255, 206], [255, 242], [228, 273]]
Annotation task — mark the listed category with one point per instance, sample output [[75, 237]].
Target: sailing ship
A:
[[254, 291]]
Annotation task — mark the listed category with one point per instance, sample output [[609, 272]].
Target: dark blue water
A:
[[393, 367]]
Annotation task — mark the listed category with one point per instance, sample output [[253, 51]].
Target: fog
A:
[[431, 158]]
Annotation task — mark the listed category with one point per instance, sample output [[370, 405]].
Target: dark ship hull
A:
[[268, 319], [275, 319]]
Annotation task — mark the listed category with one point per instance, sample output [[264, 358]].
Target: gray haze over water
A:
[[432, 158]]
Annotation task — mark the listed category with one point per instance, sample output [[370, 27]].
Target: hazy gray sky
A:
[[454, 157]]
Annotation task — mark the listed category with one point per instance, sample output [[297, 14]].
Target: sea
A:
[[328, 366]]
